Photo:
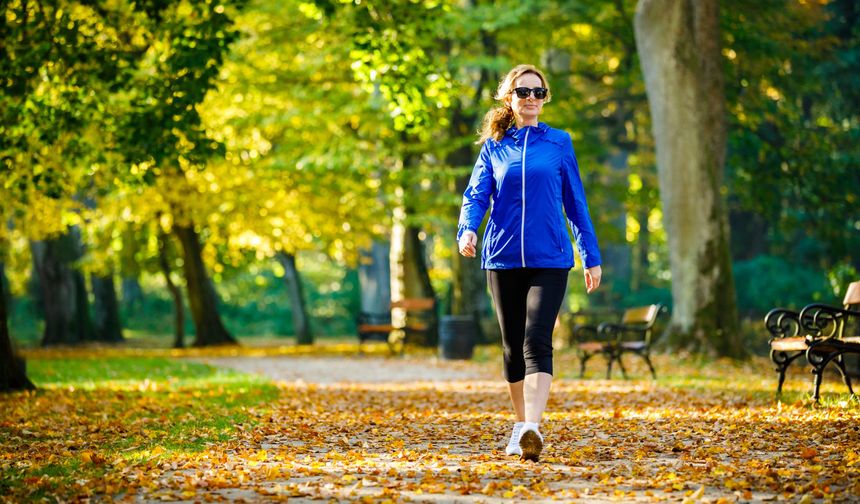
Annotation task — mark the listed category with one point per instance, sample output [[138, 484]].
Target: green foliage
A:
[[396, 52], [255, 299], [795, 121], [767, 282], [254, 303], [646, 295], [297, 126], [163, 126], [306, 149], [61, 62]]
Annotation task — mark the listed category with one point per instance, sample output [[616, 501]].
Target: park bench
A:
[[822, 333], [632, 335], [420, 317]]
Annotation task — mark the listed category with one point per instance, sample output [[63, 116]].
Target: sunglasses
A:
[[524, 92]]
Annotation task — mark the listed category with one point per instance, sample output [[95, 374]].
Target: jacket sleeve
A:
[[476, 198], [576, 208]]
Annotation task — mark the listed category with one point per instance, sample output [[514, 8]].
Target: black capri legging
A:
[[527, 302]]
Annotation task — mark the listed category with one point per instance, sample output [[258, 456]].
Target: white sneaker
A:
[[513, 447], [531, 442]]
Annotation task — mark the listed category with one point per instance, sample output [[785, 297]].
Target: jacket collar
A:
[[519, 134]]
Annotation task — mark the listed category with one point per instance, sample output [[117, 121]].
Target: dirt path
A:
[[369, 429], [386, 430], [329, 370]]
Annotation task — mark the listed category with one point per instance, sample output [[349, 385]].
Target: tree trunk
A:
[[679, 47], [469, 284], [616, 256], [13, 375], [209, 330], [639, 255], [5, 287], [409, 276], [374, 278], [298, 307], [106, 309], [63, 291], [468, 290], [132, 293], [175, 293], [34, 290]]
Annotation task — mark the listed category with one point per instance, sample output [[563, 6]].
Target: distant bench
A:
[[612, 340], [378, 326]]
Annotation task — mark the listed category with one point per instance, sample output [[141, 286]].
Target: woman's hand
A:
[[592, 278], [468, 243]]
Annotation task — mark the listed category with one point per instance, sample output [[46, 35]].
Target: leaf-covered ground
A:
[[150, 425]]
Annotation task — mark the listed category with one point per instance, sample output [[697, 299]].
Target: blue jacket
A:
[[529, 177]]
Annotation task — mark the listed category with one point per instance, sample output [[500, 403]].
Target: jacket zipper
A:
[[523, 222]]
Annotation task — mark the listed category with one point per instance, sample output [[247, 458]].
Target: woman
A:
[[529, 172]]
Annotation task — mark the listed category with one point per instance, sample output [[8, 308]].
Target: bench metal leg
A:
[[781, 379], [621, 365], [840, 363], [397, 342], [782, 361], [650, 366], [819, 362], [583, 358], [816, 372]]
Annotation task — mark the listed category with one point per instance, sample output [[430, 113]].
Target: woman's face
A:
[[527, 109]]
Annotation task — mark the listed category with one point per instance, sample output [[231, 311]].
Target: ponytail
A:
[[496, 122]]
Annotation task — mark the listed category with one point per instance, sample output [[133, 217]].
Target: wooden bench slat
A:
[[793, 344], [376, 325], [591, 346], [633, 345], [852, 296], [376, 328], [641, 315], [414, 304]]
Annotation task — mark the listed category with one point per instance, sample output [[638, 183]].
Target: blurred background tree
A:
[[288, 163]]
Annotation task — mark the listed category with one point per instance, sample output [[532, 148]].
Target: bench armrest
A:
[[374, 318], [617, 330], [585, 332], [821, 321], [782, 323]]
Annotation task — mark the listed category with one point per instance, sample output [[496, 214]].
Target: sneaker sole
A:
[[531, 445]]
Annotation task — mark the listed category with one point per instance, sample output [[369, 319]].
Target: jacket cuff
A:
[[591, 262], [462, 229]]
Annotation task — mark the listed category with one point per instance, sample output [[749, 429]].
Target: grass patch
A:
[[122, 372], [94, 416], [752, 380]]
